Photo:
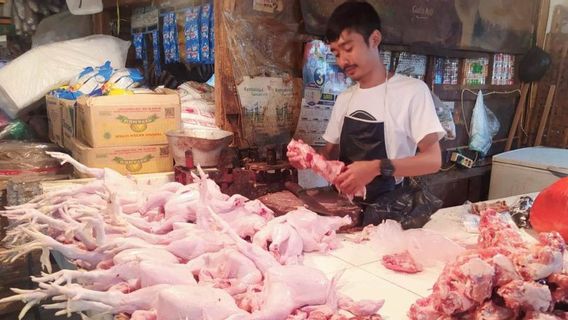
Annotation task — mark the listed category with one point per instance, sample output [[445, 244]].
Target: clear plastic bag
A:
[[60, 27], [484, 126], [18, 158], [445, 114]]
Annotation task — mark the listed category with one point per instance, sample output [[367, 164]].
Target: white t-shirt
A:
[[409, 114]]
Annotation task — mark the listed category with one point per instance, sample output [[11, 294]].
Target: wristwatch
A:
[[387, 168]]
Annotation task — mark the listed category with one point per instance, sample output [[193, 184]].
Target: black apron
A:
[[362, 140]]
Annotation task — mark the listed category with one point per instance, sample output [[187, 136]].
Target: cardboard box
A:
[[125, 159], [61, 120], [54, 120], [129, 120]]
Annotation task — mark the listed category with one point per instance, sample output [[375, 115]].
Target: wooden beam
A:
[[542, 22], [546, 112], [227, 105], [113, 3], [518, 112]]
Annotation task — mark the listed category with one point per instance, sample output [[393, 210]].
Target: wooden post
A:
[[542, 22], [545, 113], [518, 113], [227, 104]]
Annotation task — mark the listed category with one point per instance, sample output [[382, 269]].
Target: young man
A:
[[378, 124]]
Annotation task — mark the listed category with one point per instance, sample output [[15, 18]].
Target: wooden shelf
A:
[[112, 3], [453, 91]]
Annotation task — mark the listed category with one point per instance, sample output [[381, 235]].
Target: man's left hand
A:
[[357, 175]]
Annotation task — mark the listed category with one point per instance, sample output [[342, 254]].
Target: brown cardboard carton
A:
[[129, 120], [54, 120], [61, 120], [68, 119], [125, 159]]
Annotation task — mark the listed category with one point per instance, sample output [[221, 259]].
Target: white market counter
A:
[[364, 277]]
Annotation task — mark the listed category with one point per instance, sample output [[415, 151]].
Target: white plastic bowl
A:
[[205, 145]]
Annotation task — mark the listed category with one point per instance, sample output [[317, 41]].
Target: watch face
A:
[[387, 169]]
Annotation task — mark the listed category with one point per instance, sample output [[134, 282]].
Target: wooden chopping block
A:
[[285, 201]]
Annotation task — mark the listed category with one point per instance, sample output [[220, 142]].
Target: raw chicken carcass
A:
[[285, 288], [559, 287], [527, 296], [491, 311], [227, 269], [495, 232], [402, 262], [162, 302], [282, 240], [137, 274], [317, 232], [503, 263], [542, 259], [328, 169]]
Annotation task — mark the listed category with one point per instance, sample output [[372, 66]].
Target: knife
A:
[[311, 203]]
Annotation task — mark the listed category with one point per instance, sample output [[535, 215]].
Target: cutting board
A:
[[284, 201]]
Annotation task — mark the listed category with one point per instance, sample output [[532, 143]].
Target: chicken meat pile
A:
[[503, 278], [175, 252]]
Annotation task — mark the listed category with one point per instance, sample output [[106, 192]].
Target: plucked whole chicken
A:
[[175, 252]]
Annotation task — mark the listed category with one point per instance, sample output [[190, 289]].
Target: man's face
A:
[[354, 55]]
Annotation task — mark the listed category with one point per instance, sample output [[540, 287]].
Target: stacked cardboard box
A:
[[125, 133]]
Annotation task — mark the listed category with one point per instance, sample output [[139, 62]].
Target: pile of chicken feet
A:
[[175, 252]]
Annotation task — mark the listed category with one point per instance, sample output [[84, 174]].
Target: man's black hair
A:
[[358, 16]]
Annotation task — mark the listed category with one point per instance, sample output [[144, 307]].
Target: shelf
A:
[[112, 3], [452, 92]]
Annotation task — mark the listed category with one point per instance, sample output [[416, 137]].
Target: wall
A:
[[553, 4]]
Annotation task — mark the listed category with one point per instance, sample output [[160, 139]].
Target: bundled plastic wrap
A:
[[17, 158], [32, 75], [264, 43]]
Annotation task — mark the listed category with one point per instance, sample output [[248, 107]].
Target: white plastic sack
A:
[[60, 27], [484, 126], [84, 7], [32, 75]]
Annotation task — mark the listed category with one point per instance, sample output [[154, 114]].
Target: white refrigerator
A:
[[526, 170]]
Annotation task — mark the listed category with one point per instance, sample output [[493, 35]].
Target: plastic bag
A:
[[484, 126], [411, 205], [18, 158], [16, 130], [445, 114], [61, 27], [32, 75], [520, 211], [423, 245]]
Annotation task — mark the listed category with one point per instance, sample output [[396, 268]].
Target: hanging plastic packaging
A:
[[484, 126]]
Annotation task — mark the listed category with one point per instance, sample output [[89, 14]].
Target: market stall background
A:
[[267, 85]]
